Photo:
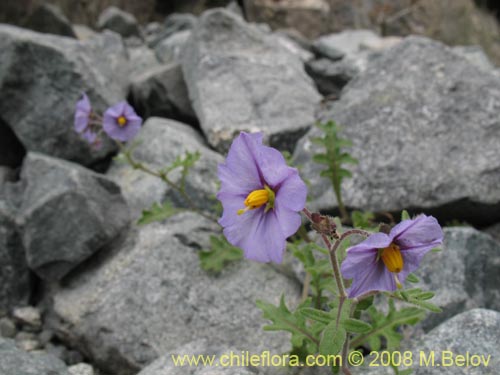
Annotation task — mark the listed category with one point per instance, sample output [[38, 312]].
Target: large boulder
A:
[[170, 49], [159, 143], [119, 21], [14, 361], [14, 273], [424, 124], [42, 77], [48, 18], [161, 91], [151, 297], [67, 213], [241, 78], [464, 275]]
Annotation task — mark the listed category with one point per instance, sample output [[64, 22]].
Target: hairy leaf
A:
[[220, 253]]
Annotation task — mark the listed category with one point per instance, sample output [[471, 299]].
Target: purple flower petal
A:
[[421, 231], [82, 113], [240, 173], [292, 192], [373, 277], [119, 132], [363, 254], [261, 232]]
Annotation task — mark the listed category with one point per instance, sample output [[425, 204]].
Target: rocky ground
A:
[[85, 291]]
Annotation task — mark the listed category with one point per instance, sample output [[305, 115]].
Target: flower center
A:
[[392, 258], [122, 121], [258, 198]]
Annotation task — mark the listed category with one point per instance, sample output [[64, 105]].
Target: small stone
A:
[[81, 369], [28, 316], [72, 357], [28, 345], [169, 50], [119, 21], [46, 336], [7, 328]]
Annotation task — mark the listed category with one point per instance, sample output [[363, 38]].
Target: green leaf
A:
[[411, 278], [385, 326], [316, 315], [405, 215], [284, 320], [158, 212], [363, 220], [185, 163], [220, 253], [356, 325], [333, 339]]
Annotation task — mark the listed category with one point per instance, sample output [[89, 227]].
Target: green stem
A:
[[164, 177]]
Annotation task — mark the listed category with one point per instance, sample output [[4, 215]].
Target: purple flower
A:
[[383, 261], [261, 197], [121, 122], [82, 114]]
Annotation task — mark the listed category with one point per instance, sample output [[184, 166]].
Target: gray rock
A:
[[81, 369], [141, 59], [7, 328], [161, 91], [405, 115], [42, 77], [14, 273], [474, 331], [119, 21], [475, 55], [161, 141], [494, 231], [331, 77], [48, 18], [67, 214], [293, 47], [83, 32], [345, 43], [28, 316], [174, 24], [239, 78], [169, 49], [165, 364], [14, 361], [6, 175], [28, 345], [463, 275], [175, 304]]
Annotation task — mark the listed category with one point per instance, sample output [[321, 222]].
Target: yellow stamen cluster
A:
[[122, 121], [392, 258], [258, 198]]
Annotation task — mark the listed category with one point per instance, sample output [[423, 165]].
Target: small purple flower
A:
[[121, 123], [261, 196], [383, 261], [82, 114]]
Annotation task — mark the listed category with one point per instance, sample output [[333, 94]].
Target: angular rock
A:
[[470, 333], [474, 331], [165, 365], [162, 92], [141, 59], [331, 77], [310, 17], [28, 316], [345, 43], [119, 21], [160, 142], [42, 77], [67, 214], [175, 304], [239, 78], [463, 275], [293, 47], [476, 55], [81, 369], [169, 49], [7, 328], [48, 18], [14, 361], [174, 24], [423, 133], [14, 273]]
